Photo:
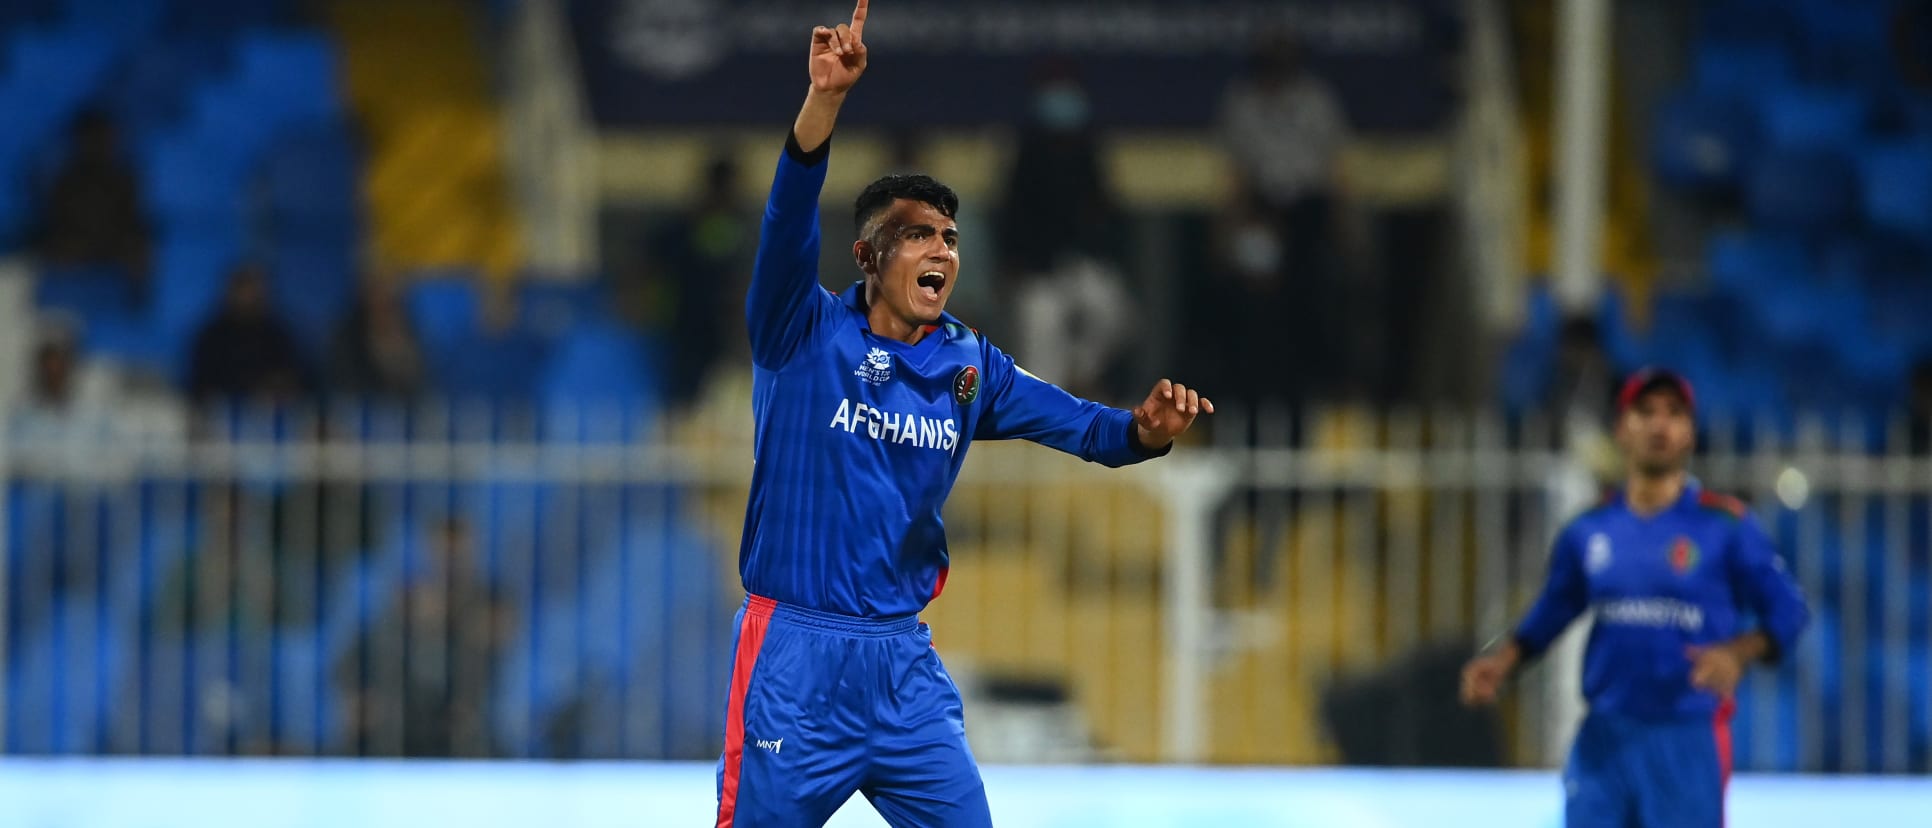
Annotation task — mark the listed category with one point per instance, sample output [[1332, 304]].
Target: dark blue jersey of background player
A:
[[864, 405], [1687, 591]]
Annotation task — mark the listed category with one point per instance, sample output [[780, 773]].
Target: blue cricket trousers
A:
[[823, 705]]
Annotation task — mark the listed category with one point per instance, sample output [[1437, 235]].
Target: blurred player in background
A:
[[1675, 573], [865, 402]]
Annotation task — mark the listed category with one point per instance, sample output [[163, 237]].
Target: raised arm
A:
[[1025, 407], [838, 59], [785, 302]]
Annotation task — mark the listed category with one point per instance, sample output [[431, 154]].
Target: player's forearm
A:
[[1750, 647], [816, 118], [1510, 654]]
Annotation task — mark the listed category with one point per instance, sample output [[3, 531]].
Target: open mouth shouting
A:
[[931, 285]]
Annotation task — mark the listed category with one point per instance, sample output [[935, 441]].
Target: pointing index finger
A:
[[858, 19]]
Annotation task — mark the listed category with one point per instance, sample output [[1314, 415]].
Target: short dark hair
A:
[[879, 195]]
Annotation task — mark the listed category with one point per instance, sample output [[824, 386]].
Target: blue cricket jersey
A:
[[1700, 572], [858, 438]]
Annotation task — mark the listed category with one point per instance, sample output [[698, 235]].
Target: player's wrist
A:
[[826, 96], [1748, 648], [1510, 655]]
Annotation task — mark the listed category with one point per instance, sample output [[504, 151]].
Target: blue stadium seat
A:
[[445, 309], [1877, 366], [138, 345], [64, 65], [190, 276], [148, 94], [1898, 189], [599, 386], [1701, 143], [88, 291], [1899, 300], [1801, 313], [62, 684], [1530, 357], [1813, 118], [549, 307], [1845, 40], [304, 709], [1806, 191], [234, 121], [662, 584], [126, 21], [1740, 262], [191, 184], [34, 121], [312, 286], [311, 186], [1614, 328], [500, 367], [1740, 68], [292, 75]]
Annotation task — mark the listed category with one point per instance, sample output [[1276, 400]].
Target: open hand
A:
[[1483, 677], [838, 54], [1168, 410], [1716, 669]]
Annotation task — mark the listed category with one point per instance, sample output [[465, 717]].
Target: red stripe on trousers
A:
[[751, 638], [1721, 731]]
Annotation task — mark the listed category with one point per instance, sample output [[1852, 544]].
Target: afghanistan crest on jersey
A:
[[966, 385], [1683, 555]]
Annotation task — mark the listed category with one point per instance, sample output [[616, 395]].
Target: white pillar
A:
[[1189, 489], [1582, 121]]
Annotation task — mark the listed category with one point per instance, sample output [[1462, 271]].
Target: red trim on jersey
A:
[[939, 585], [1722, 502], [751, 638], [1721, 731]]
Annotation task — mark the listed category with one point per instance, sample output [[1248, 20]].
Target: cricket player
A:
[[865, 402], [1688, 592]]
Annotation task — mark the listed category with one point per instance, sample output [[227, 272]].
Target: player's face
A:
[[1656, 432], [915, 258]]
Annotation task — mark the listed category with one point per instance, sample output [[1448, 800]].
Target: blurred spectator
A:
[[77, 414], [67, 400], [450, 628], [1262, 323], [93, 210], [1584, 382], [1057, 201], [701, 268], [1285, 131], [375, 352], [244, 351], [1070, 302]]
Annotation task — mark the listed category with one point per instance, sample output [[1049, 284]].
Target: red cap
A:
[[1646, 379]]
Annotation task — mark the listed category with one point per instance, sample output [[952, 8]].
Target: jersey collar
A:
[[1693, 488], [854, 298]]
